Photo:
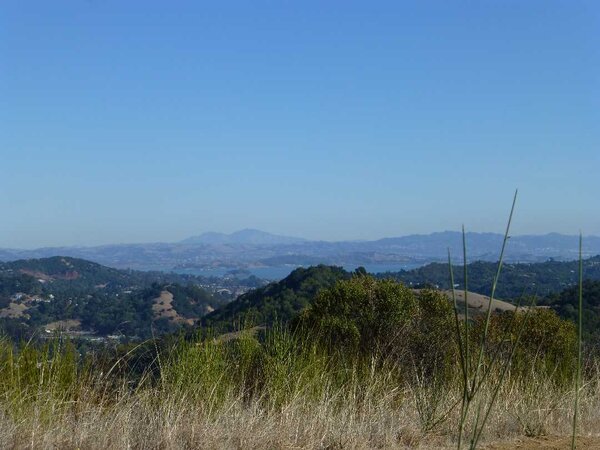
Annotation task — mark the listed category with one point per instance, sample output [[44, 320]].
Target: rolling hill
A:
[[275, 302], [532, 278], [94, 301], [282, 301]]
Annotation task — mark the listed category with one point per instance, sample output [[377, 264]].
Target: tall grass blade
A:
[[493, 293], [466, 292], [506, 333], [467, 397], [505, 368], [459, 337], [461, 349], [579, 334]]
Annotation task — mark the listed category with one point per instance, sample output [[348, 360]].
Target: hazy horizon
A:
[[176, 241], [127, 122]]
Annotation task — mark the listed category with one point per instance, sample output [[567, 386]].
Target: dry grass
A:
[[66, 325], [162, 307], [13, 311], [358, 415], [480, 303]]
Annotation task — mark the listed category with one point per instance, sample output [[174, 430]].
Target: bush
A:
[[361, 314], [433, 340], [547, 345], [386, 320]]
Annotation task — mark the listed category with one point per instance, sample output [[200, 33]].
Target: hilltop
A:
[[247, 236], [280, 301]]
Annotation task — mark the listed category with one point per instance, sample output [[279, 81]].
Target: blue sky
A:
[[144, 121]]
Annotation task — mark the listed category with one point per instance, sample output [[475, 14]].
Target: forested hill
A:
[[565, 303], [541, 278], [275, 302], [75, 273], [78, 272], [88, 299], [281, 301], [37, 296]]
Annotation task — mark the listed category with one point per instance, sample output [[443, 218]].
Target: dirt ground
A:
[[547, 443]]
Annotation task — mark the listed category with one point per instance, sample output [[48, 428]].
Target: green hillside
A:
[[541, 278], [279, 301], [565, 304], [92, 301]]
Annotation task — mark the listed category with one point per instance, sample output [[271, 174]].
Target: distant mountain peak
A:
[[248, 236]]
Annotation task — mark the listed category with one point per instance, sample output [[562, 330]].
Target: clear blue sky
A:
[[138, 121]]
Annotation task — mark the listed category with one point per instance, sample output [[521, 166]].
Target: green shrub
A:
[[361, 315], [386, 320], [547, 345], [433, 340]]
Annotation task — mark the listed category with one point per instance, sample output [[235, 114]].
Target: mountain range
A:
[[254, 248], [247, 236]]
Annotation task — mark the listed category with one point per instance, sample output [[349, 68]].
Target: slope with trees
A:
[[532, 278], [275, 302], [42, 294]]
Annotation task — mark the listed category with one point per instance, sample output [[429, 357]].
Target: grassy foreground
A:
[[285, 391]]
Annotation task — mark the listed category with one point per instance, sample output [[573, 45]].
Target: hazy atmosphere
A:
[[308, 225], [152, 121]]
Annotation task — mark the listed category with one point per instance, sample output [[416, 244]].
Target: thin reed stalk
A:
[[473, 380], [493, 293], [579, 335]]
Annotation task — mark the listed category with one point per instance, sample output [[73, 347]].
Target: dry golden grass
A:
[[13, 311], [160, 418], [162, 307]]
